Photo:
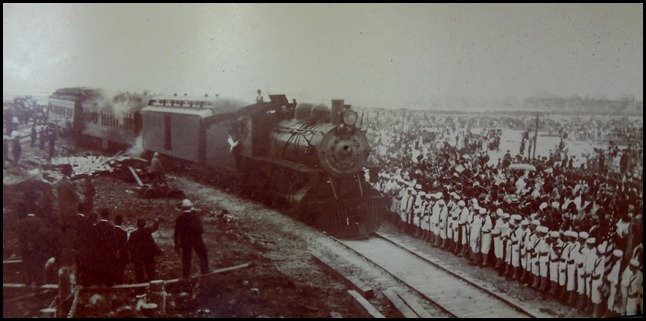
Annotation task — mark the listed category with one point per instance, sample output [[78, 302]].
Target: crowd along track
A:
[[451, 292]]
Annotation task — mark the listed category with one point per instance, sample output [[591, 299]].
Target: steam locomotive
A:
[[306, 160]]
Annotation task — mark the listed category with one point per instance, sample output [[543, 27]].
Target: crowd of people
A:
[[92, 244], [40, 136], [21, 111], [573, 232]]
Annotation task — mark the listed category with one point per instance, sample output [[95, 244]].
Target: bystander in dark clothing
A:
[[33, 135], [81, 229], [188, 237], [43, 138], [105, 249], [16, 149], [66, 197], [52, 141], [143, 249], [5, 150], [623, 162], [31, 239], [89, 191], [122, 251]]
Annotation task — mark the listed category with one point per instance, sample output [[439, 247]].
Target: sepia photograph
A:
[[323, 160]]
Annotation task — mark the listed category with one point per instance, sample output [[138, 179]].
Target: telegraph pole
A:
[[535, 136]]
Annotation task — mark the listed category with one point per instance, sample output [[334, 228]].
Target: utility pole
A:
[[535, 137]]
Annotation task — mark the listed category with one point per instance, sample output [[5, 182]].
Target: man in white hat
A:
[[451, 206], [555, 255], [505, 235], [436, 220], [444, 223], [631, 287], [598, 280], [515, 239], [476, 236], [580, 268], [405, 207], [543, 250], [613, 308], [453, 230], [530, 252], [474, 208], [526, 233], [418, 212], [487, 226], [590, 259], [568, 264], [398, 192], [188, 237], [463, 223], [425, 221], [410, 213], [498, 245], [536, 275]]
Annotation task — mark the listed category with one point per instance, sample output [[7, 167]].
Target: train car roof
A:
[[75, 92], [275, 100], [183, 98], [202, 112]]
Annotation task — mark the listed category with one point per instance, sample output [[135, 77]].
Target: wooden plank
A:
[[363, 303], [412, 303], [401, 306], [349, 280], [72, 311], [23, 286], [170, 281], [11, 261], [132, 170]]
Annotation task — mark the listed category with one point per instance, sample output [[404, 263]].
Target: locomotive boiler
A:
[[320, 174], [306, 160]]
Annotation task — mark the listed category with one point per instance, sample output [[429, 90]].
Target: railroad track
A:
[[451, 292]]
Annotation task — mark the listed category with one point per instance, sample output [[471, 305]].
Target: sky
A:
[[371, 55]]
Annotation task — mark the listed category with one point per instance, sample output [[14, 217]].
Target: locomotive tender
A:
[[304, 159]]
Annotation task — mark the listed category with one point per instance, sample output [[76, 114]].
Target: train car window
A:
[[167, 136]]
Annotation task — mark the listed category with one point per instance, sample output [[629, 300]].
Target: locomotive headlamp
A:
[[350, 117]]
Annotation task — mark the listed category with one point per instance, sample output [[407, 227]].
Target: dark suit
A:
[[142, 249], [188, 236], [105, 250], [32, 241], [122, 254]]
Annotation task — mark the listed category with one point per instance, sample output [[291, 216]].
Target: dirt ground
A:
[[281, 281]]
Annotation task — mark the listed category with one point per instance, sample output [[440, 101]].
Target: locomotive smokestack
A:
[[337, 108]]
